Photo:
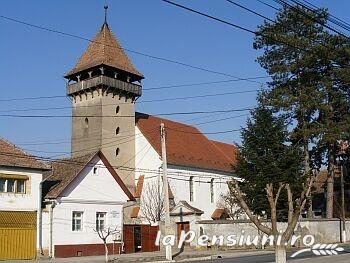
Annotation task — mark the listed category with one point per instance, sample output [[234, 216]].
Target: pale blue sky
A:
[[33, 62]]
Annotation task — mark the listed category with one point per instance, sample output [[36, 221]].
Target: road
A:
[[309, 257]]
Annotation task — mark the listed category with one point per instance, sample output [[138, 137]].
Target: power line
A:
[[249, 10], [285, 3], [124, 116], [145, 101], [129, 50], [271, 6], [75, 162], [231, 24], [331, 18], [149, 89]]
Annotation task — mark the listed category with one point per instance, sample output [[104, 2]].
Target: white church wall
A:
[[179, 176]]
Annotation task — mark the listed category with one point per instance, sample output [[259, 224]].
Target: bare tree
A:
[[103, 234], [295, 205], [152, 202], [230, 203]]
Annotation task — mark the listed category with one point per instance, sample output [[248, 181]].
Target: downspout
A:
[[52, 206], [40, 223]]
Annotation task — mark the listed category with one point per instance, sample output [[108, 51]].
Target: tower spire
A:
[[105, 7]]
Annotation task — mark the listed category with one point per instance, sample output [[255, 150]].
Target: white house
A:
[[20, 202], [83, 195]]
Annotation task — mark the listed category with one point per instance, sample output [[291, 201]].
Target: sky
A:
[[33, 61]]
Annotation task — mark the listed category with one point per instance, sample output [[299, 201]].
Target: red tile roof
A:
[[186, 145], [104, 49], [219, 213], [11, 155]]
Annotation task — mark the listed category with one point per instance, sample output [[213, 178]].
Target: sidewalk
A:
[[158, 256]]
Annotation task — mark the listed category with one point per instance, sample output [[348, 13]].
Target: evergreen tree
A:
[[310, 72], [267, 157], [270, 169]]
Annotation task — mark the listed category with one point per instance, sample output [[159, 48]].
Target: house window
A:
[[12, 185], [100, 221], [212, 190], [191, 189], [2, 185], [95, 170], [77, 221], [20, 186]]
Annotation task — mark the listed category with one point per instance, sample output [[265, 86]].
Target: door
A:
[[149, 236], [182, 226], [137, 238], [17, 235]]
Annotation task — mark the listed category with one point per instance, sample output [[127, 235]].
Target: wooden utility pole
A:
[[168, 252]]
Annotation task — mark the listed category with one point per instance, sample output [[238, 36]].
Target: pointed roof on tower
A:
[[104, 49]]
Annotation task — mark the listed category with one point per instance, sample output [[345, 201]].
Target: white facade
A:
[[148, 162], [92, 191], [30, 200]]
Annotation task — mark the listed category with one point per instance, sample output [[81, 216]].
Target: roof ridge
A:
[[213, 142]]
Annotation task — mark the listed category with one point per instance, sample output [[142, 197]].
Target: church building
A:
[[103, 87]]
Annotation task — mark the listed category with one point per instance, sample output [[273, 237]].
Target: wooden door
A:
[[182, 226]]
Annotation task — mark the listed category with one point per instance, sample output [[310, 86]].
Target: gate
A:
[[17, 235], [140, 238]]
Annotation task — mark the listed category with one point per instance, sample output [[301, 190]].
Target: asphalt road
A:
[[343, 257]]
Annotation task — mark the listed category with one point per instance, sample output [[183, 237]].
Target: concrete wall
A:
[[100, 132], [324, 231]]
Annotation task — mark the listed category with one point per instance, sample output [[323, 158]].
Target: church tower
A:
[[103, 87]]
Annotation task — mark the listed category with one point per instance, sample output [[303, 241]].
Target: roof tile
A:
[[105, 49]]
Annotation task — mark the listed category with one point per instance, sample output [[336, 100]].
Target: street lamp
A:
[[342, 160]]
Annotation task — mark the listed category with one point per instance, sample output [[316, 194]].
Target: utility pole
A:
[[168, 252], [343, 168], [343, 165]]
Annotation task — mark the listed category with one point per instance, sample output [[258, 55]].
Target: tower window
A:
[[117, 131], [117, 109], [117, 151], [95, 170], [86, 121]]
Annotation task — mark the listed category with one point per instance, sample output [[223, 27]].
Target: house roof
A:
[[11, 155], [186, 145], [219, 213], [140, 185], [190, 209], [104, 49], [64, 171]]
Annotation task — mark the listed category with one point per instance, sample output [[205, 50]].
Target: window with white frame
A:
[[100, 221], [11, 185], [191, 189], [212, 190], [77, 221]]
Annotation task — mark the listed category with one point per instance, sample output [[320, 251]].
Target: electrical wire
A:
[[129, 50]]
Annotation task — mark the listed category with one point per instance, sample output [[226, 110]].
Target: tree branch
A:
[[236, 191]]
